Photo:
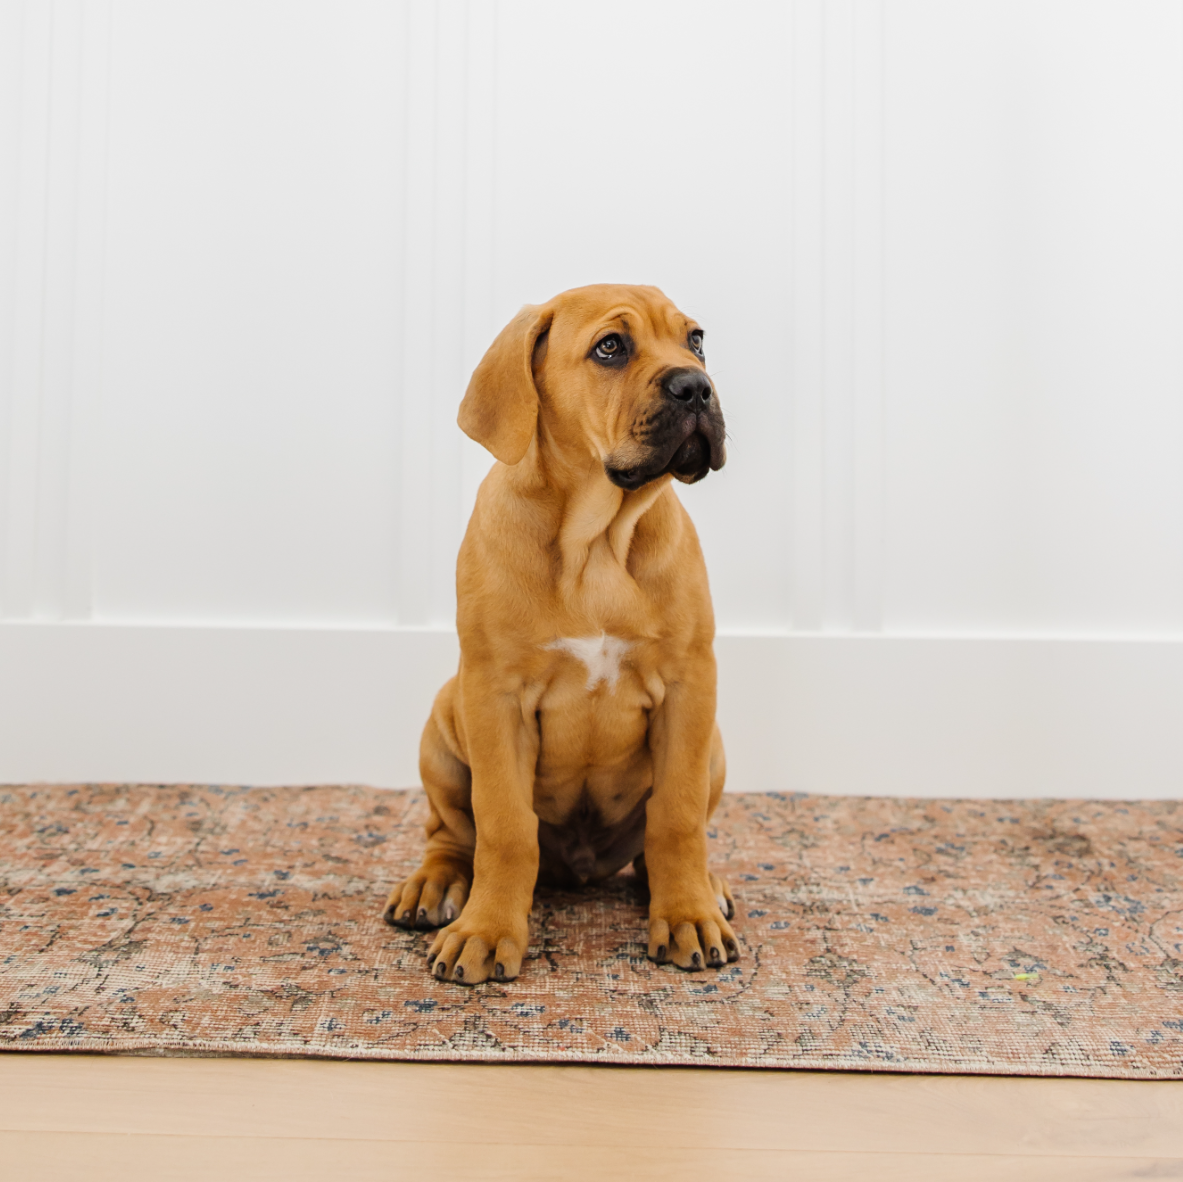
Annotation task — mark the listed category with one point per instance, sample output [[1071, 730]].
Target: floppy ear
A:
[[500, 407]]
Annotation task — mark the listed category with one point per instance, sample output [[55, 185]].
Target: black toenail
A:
[[715, 954], [441, 969], [458, 972], [661, 952], [406, 917], [499, 971], [422, 914], [696, 959]]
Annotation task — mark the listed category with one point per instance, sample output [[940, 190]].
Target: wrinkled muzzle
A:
[[684, 435]]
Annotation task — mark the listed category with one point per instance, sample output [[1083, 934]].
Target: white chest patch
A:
[[601, 654]]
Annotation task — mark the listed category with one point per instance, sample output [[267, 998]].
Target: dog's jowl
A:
[[579, 733]]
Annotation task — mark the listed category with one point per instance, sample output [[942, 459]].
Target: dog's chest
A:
[[593, 715], [597, 676], [601, 655]]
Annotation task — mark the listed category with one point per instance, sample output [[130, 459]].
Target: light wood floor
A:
[[105, 1118]]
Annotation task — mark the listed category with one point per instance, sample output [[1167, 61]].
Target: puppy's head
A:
[[611, 372]]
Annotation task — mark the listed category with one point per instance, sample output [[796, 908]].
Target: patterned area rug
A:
[[1034, 938]]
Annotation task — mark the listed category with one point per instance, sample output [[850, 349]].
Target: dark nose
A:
[[689, 386]]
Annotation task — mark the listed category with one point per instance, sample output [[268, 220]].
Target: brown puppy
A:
[[579, 733]]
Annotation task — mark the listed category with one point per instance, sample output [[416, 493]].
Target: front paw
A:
[[433, 895], [477, 947], [693, 934]]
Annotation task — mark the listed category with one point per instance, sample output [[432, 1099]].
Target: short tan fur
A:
[[579, 733]]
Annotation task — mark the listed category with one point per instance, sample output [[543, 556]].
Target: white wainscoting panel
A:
[[250, 251], [1033, 365], [54, 66]]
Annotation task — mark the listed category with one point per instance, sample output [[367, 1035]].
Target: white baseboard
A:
[[981, 717], [848, 714]]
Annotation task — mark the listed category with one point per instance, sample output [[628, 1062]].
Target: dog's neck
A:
[[598, 525], [597, 521]]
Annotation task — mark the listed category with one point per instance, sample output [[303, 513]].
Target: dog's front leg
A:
[[686, 925], [490, 937]]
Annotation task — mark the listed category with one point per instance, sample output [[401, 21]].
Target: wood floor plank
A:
[[626, 1108], [65, 1157]]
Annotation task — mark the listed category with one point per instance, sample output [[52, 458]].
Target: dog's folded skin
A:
[[579, 733]]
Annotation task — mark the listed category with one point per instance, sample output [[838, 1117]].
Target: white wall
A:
[[250, 251]]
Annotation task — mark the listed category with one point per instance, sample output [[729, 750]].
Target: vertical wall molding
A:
[[868, 354], [12, 82], [807, 262], [837, 243], [413, 594], [28, 164], [89, 305], [480, 226], [838, 326], [55, 163], [447, 288]]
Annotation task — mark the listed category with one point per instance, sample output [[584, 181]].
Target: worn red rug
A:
[[1020, 937]]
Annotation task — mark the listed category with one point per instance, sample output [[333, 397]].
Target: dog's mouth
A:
[[692, 461], [689, 459]]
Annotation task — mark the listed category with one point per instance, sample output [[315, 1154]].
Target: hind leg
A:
[[436, 893]]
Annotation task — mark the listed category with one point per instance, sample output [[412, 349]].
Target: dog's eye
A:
[[610, 349], [696, 341]]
